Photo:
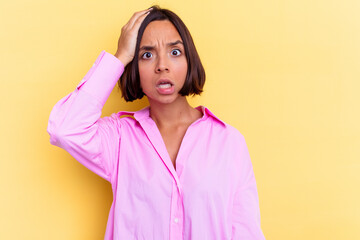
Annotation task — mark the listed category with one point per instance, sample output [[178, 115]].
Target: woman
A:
[[177, 172]]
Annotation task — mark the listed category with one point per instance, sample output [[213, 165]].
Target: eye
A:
[[176, 52], [147, 55]]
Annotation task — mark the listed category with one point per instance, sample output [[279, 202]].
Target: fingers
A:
[[139, 21], [137, 16], [128, 37]]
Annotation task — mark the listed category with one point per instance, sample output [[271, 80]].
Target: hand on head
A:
[[127, 40]]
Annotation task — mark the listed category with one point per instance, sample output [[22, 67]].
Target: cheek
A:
[[141, 70], [143, 73], [182, 69], [145, 78]]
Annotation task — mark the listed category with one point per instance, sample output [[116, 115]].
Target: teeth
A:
[[164, 85]]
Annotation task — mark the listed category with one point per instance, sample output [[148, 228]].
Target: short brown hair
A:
[[129, 82]]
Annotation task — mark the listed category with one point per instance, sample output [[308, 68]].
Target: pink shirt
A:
[[212, 193]]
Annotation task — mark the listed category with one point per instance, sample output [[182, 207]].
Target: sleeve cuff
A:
[[102, 77]]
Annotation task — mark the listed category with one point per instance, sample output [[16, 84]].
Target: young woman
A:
[[177, 172]]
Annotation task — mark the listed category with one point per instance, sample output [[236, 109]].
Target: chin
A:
[[168, 99]]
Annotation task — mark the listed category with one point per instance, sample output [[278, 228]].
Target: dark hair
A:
[[129, 82]]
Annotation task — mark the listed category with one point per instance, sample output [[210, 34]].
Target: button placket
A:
[[176, 217]]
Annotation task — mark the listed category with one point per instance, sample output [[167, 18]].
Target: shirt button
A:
[[176, 220]]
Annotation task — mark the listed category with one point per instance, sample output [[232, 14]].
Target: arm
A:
[[246, 212], [75, 124]]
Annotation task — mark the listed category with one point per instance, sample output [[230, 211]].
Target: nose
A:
[[162, 64]]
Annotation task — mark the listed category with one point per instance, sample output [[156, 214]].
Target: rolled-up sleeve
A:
[[75, 124]]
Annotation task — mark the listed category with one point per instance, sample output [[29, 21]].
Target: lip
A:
[[165, 91], [164, 80]]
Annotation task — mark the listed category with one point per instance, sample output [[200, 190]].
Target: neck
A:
[[173, 114]]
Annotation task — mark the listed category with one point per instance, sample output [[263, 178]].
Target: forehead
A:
[[162, 30]]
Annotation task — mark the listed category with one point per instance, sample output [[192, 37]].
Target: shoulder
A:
[[126, 119], [222, 126], [117, 120], [235, 138]]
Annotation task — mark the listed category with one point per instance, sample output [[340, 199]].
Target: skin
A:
[[159, 60], [171, 112]]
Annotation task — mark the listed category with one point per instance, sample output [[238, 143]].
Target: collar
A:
[[207, 113], [145, 114]]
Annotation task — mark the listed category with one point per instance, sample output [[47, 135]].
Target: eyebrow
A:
[[149, 48]]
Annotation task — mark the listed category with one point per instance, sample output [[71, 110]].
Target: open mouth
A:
[[165, 84]]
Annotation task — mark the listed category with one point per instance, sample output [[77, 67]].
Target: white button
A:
[[176, 220]]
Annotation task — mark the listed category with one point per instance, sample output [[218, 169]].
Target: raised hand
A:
[[127, 40]]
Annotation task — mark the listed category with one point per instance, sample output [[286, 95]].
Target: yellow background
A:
[[285, 73]]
